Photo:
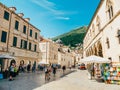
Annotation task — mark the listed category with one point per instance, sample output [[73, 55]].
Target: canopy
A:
[[43, 62], [6, 56], [94, 59]]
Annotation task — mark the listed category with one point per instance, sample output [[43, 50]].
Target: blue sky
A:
[[55, 17]]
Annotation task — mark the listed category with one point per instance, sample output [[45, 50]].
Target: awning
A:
[[6, 56], [94, 59]]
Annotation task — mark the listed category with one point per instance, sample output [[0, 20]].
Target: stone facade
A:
[[18, 37], [103, 34], [65, 56], [49, 50]]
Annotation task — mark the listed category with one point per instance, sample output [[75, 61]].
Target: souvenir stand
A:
[[95, 66], [112, 74]]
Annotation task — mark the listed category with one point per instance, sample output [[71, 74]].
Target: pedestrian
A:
[[47, 74], [64, 68], [11, 72], [54, 70], [28, 67], [0, 68]]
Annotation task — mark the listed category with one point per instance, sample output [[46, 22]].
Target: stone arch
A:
[[99, 51], [95, 50]]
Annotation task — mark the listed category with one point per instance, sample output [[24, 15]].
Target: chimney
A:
[[13, 9], [27, 19], [20, 14]]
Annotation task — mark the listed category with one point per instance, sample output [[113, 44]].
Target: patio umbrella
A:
[[43, 62], [94, 59], [6, 56]]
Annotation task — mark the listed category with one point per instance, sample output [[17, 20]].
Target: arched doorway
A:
[[100, 53]]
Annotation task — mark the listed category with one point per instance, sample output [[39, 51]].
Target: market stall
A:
[[95, 66], [112, 74]]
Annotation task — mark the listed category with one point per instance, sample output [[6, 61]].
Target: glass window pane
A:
[[16, 25], [4, 36], [6, 15], [15, 41]]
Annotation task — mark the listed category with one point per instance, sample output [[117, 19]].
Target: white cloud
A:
[[50, 6], [63, 18]]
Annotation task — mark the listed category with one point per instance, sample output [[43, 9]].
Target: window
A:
[[25, 44], [118, 35], [16, 25], [93, 28], [110, 59], [35, 48], [14, 41], [31, 33], [4, 36], [24, 29], [98, 23], [108, 44], [35, 35], [30, 45], [6, 15], [21, 45], [110, 8]]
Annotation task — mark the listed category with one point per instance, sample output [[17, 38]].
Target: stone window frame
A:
[[24, 29], [30, 46], [107, 42], [110, 10], [118, 35], [6, 15], [98, 23], [31, 32], [15, 39], [4, 36], [16, 24]]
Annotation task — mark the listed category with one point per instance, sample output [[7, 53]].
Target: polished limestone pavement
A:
[[30, 81]]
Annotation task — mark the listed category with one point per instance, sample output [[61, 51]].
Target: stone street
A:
[[29, 81], [78, 81]]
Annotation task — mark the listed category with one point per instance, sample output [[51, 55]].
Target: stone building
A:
[[49, 50], [65, 56], [18, 37], [103, 33]]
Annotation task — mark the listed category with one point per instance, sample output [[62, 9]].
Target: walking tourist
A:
[[11, 71], [64, 68], [28, 67], [54, 70], [47, 73]]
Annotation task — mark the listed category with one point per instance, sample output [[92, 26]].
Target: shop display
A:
[[112, 75]]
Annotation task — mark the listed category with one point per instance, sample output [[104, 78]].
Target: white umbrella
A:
[[94, 59], [43, 62], [6, 56]]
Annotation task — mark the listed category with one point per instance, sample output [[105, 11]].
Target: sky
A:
[[55, 17]]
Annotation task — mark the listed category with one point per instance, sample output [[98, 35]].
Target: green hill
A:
[[73, 37]]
